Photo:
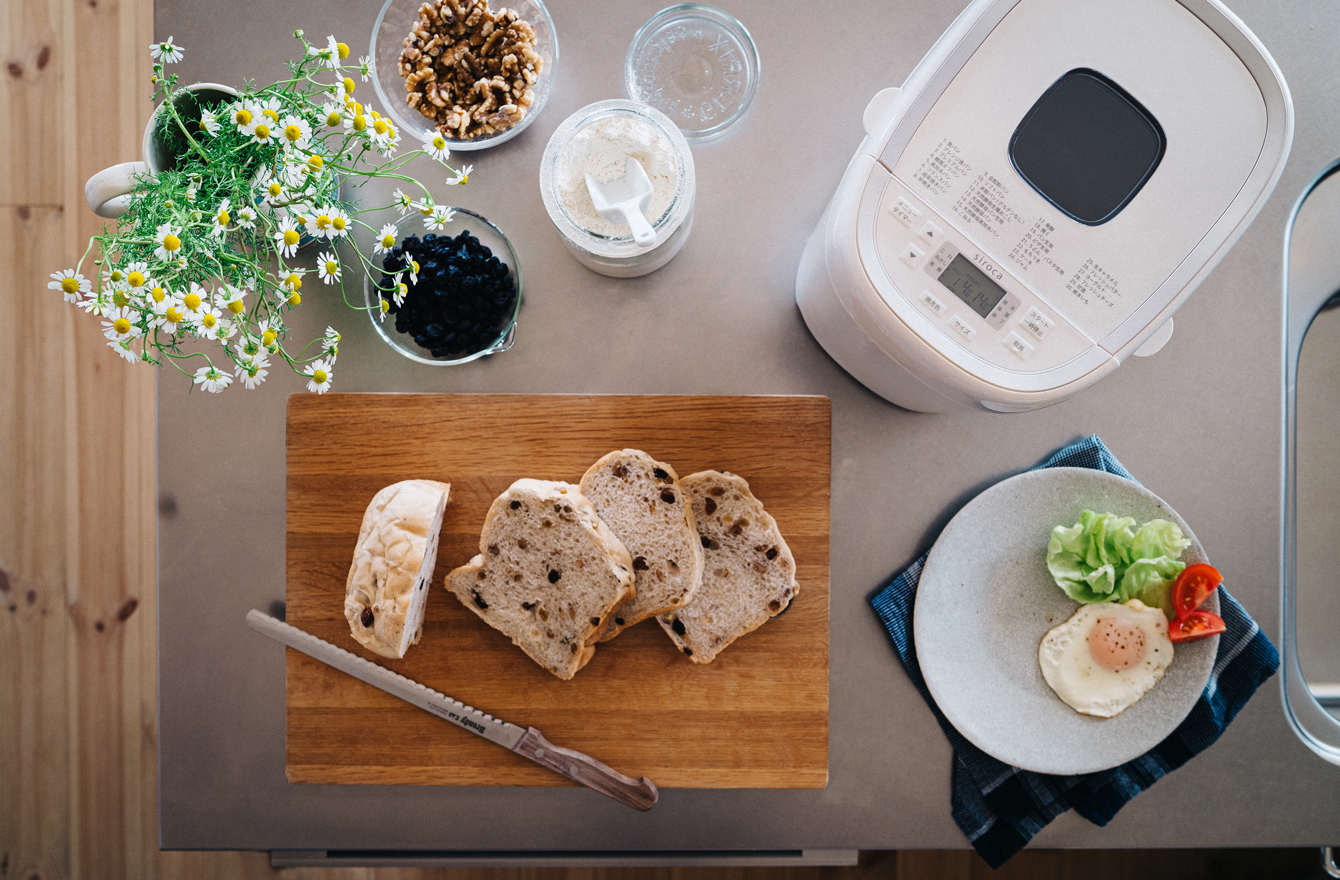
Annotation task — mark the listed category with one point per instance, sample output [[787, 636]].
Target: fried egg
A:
[[1106, 656]]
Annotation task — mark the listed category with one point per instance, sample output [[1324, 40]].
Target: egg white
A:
[[1086, 685]]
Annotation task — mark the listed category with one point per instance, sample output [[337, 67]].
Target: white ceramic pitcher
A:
[[107, 190]]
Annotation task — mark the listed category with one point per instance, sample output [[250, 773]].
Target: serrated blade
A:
[[492, 729]]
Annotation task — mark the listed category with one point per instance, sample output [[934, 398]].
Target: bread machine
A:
[[1049, 185]]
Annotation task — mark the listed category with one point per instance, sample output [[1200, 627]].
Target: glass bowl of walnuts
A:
[[459, 68]]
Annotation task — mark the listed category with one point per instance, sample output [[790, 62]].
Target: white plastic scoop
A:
[[625, 200]]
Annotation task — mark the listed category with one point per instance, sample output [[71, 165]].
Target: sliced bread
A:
[[548, 575], [387, 589], [641, 501], [749, 574]]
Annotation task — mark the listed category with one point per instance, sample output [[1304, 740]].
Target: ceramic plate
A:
[[986, 600]]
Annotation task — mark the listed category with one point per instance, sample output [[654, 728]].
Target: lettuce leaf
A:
[[1106, 558]]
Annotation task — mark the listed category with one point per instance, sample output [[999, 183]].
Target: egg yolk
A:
[[1115, 644]]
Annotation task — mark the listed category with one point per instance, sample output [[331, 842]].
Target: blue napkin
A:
[[999, 807]]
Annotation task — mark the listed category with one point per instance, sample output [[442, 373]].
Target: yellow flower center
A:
[[116, 276], [69, 285], [270, 114], [237, 307], [192, 301], [171, 242], [415, 264], [354, 107], [262, 132], [348, 86], [121, 326], [208, 320], [320, 377], [316, 162], [242, 117], [291, 236], [222, 220], [292, 132], [360, 122], [331, 267], [268, 337], [136, 279], [295, 298], [173, 315], [388, 241], [425, 210], [440, 142], [322, 221], [274, 189], [158, 294], [380, 126], [333, 119], [294, 280], [119, 299], [343, 50], [338, 223], [386, 306]]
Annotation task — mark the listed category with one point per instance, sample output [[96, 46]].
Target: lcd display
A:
[[1087, 146], [971, 285]]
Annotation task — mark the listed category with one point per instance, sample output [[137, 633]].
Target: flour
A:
[[601, 149]]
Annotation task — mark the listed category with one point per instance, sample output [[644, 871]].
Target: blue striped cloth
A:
[[999, 807]]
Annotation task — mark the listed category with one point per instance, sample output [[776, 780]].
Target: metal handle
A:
[[1328, 862], [640, 794]]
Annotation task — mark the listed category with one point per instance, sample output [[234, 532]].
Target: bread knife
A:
[[640, 794]]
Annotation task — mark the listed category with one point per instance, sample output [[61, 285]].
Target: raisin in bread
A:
[[387, 588], [749, 574], [549, 574], [641, 501]]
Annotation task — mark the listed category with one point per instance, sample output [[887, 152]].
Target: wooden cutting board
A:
[[757, 717]]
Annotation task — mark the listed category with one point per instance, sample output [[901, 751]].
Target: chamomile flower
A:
[[119, 324], [403, 202], [386, 307], [252, 370], [138, 280], [315, 162], [70, 283], [319, 223], [262, 133], [246, 217], [365, 67], [383, 135], [333, 114], [269, 109], [274, 192], [328, 267], [230, 298], [269, 335], [329, 53], [209, 122], [401, 290], [319, 370], [413, 271], [97, 304], [242, 114], [436, 146], [221, 219], [122, 347], [168, 238], [462, 176], [296, 130], [330, 343], [385, 239], [439, 218], [208, 322], [197, 298], [171, 315], [167, 51], [287, 238], [212, 379], [339, 223], [156, 292]]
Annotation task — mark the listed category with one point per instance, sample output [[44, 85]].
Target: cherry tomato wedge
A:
[[1193, 586], [1196, 625]]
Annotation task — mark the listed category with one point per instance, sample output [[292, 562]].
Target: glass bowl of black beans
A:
[[461, 302]]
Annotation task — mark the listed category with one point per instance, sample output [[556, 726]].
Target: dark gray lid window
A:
[[1087, 146]]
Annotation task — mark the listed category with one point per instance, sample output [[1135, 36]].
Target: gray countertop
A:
[[1199, 424]]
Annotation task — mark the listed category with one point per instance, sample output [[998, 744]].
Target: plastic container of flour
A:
[[598, 139]]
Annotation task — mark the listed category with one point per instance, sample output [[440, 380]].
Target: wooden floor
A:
[[77, 517]]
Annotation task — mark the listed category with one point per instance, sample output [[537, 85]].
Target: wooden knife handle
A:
[[640, 794]]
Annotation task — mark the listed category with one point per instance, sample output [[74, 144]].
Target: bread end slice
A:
[[749, 574], [548, 575], [640, 499], [386, 592]]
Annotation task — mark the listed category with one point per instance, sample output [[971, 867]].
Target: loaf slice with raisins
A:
[[386, 591], [641, 501], [749, 574], [549, 574]]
